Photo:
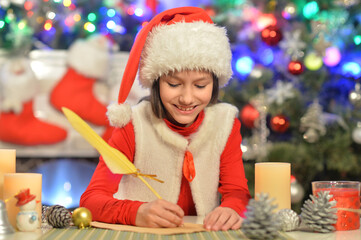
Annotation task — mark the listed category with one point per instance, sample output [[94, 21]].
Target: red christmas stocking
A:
[[88, 61], [75, 91], [25, 129]]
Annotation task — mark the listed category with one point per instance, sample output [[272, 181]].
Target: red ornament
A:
[[296, 67], [271, 35], [280, 123], [248, 115]]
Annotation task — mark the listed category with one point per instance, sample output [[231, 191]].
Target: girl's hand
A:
[[222, 218], [159, 213]]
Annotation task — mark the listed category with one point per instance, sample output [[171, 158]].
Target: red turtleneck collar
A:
[[186, 131]]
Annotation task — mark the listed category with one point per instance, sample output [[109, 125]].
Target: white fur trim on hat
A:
[[119, 115], [186, 46], [90, 57]]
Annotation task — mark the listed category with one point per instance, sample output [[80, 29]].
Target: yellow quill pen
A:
[[116, 161]]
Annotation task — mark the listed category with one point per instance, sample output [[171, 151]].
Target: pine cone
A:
[[44, 222], [261, 222], [43, 214], [289, 220], [319, 214], [58, 216]]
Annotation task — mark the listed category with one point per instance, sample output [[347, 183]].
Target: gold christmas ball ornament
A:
[[82, 217]]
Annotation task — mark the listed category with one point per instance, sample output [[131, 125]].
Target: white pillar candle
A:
[[274, 178], [7, 165]]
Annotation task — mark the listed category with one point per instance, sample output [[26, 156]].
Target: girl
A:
[[181, 133]]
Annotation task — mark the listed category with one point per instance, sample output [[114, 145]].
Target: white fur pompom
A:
[[119, 115]]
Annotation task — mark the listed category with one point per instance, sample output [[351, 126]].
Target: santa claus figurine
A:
[[27, 219], [18, 124]]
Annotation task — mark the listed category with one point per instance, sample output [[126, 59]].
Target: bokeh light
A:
[[244, 65], [89, 27], [351, 69], [332, 56], [92, 17], [310, 9], [264, 21], [138, 12], [111, 13], [313, 62], [357, 39]]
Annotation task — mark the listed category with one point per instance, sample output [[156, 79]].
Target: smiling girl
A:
[[182, 134]]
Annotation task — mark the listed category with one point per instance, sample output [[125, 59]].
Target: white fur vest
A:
[[160, 151]]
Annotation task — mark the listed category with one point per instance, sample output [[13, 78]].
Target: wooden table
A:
[[95, 233]]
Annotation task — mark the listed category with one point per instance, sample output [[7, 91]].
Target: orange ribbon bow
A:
[[188, 167]]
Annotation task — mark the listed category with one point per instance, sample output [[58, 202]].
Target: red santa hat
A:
[[24, 197], [178, 39]]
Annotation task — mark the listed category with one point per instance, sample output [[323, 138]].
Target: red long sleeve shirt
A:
[[98, 197]]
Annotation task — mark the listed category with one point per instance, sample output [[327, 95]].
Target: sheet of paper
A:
[[186, 228]]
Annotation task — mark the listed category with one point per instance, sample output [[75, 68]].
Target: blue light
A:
[[267, 56], [103, 10], [64, 181], [351, 68], [244, 65], [111, 12]]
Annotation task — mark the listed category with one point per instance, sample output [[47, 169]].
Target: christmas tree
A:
[[298, 84], [297, 69]]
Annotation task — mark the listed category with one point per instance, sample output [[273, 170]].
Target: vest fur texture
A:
[[160, 151]]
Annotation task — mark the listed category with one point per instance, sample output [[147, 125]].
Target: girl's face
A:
[[185, 94]]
